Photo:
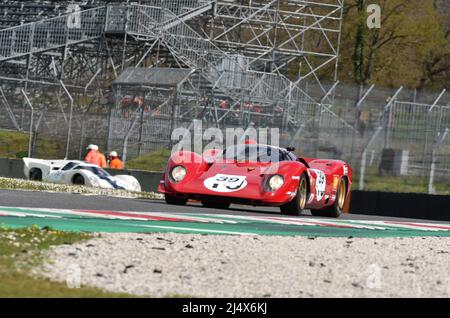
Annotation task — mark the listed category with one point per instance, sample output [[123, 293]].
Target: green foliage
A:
[[412, 48], [14, 144], [154, 161]]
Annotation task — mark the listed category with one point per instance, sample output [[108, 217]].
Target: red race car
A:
[[259, 175]]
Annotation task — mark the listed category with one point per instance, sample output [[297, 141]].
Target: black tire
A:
[[297, 205], [336, 209], [78, 179], [216, 204], [36, 174], [174, 200]]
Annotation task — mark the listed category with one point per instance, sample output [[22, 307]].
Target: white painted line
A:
[[301, 221], [416, 226], [132, 215], [203, 218], [344, 223], [25, 214], [192, 229], [48, 213]]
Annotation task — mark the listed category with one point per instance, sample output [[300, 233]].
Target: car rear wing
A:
[[44, 165]]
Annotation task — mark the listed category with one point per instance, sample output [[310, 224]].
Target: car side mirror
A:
[[290, 149]]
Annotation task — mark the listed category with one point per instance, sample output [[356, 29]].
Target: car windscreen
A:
[[69, 166], [254, 153], [95, 170]]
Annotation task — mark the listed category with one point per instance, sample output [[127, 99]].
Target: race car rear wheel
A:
[[172, 200], [78, 179], [36, 174], [297, 205], [337, 208], [216, 204]]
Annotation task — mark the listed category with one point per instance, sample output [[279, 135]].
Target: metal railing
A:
[[52, 33]]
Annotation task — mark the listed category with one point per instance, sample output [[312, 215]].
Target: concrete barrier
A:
[[402, 205], [13, 168]]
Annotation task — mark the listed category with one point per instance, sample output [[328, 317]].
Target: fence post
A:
[[428, 129], [31, 122], [357, 116], [436, 101], [9, 110], [125, 141], [324, 98], [362, 170], [441, 138], [318, 120], [389, 119], [69, 130]]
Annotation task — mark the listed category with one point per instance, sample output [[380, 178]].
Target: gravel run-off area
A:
[[161, 265]]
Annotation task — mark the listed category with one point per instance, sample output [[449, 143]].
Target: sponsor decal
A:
[[321, 182], [345, 170], [225, 183]]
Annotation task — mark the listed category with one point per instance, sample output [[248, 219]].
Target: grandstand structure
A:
[[252, 56]]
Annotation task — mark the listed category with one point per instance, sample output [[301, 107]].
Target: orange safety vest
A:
[[116, 163], [102, 160], [93, 157]]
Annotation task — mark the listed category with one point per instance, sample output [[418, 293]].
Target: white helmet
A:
[[92, 147], [113, 154]]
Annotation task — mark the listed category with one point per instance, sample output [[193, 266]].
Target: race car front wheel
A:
[[172, 200], [337, 208], [296, 206]]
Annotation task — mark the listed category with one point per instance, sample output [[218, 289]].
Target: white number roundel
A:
[[225, 183], [320, 184]]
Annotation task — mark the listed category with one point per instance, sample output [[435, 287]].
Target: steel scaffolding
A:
[[247, 53]]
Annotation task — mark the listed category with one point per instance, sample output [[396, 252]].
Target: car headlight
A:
[[275, 182], [178, 173]]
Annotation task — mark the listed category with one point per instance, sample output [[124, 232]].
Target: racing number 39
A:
[[225, 183], [233, 183]]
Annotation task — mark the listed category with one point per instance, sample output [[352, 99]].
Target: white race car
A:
[[77, 172]]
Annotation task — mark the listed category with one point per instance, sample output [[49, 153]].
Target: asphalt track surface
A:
[[35, 199]]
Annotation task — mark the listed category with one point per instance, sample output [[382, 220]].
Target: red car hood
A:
[[254, 175]]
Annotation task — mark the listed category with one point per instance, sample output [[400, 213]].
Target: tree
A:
[[411, 48]]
